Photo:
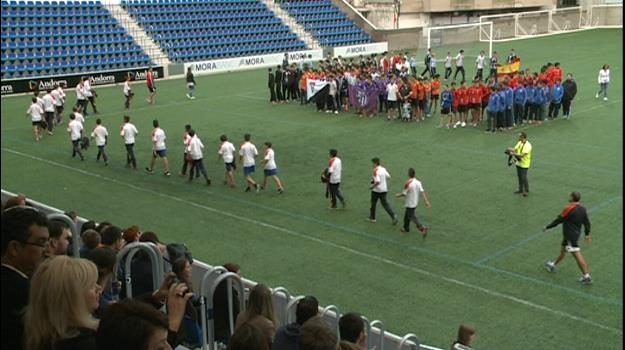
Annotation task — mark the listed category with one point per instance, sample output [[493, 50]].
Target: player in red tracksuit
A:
[[463, 107], [485, 93], [455, 104], [475, 102], [149, 79]]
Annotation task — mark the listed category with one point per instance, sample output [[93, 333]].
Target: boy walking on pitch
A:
[[271, 169], [129, 132], [412, 189], [100, 134], [378, 191], [75, 133], [128, 94], [36, 116], [248, 154], [158, 148], [226, 152]]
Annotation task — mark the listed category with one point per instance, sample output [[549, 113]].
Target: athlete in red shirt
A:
[[149, 78]]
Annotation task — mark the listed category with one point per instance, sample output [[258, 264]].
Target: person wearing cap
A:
[[572, 218], [522, 154]]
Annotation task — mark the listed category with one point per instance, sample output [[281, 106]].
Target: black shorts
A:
[[391, 104], [230, 166], [37, 123], [59, 109], [49, 115], [422, 104], [445, 110], [484, 104], [454, 109], [152, 88], [434, 97], [475, 105], [570, 244], [463, 108], [162, 153]]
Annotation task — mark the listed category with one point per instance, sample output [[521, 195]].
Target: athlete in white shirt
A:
[[459, 64], [332, 177], [379, 190], [100, 134], [247, 155], [271, 169], [479, 64], [128, 91], [78, 116], [59, 101], [391, 98], [196, 155], [81, 100], [49, 107], [412, 189], [36, 115], [75, 134], [604, 80], [90, 94], [158, 148], [128, 132], [448, 65], [226, 152], [186, 160]]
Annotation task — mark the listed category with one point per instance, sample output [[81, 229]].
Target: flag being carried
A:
[[509, 69]]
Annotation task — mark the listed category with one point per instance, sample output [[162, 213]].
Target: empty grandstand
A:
[[326, 22], [57, 38], [190, 30]]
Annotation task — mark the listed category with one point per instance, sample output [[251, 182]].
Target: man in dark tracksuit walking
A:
[[572, 218], [570, 90]]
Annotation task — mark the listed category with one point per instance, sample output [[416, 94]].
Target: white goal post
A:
[[458, 34]]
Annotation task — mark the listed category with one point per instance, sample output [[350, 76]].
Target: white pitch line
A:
[[330, 244]]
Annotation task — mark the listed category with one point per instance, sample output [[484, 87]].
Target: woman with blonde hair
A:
[[259, 312], [63, 295]]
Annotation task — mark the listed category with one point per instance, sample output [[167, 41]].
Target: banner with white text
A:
[[362, 49]]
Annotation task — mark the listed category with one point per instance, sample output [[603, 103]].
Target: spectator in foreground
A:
[[87, 225], [220, 306], [133, 325], [60, 237], [248, 337], [316, 334], [288, 337], [24, 239], [63, 296], [259, 312], [131, 234], [466, 335], [352, 329]]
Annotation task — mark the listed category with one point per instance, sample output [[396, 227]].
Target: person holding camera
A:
[[332, 177], [521, 154]]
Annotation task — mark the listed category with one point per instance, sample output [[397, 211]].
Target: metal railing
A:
[[126, 256]]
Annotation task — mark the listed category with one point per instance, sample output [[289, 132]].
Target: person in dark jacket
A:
[[278, 81], [572, 218], [271, 84], [288, 337], [570, 90], [24, 239]]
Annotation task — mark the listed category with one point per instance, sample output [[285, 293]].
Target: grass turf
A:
[[482, 262]]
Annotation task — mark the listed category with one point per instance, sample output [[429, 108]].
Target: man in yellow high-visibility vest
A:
[[522, 154]]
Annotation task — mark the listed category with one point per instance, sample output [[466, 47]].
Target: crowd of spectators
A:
[[53, 301]]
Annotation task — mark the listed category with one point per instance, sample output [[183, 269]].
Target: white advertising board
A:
[[362, 49]]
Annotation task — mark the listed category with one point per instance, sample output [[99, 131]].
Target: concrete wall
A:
[[471, 5]]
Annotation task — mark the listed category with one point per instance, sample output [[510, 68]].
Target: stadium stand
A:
[[190, 30], [325, 22], [54, 38]]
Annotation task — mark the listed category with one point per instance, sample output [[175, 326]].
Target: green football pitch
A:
[[482, 262]]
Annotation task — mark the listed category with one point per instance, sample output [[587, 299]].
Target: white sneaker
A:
[[188, 96], [336, 112], [328, 111], [605, 98], [550, 266], [464, 124], [193, 97], [597, 95], [457, 123]]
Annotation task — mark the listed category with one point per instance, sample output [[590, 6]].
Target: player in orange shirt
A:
[[414, 101], [436, 90], [485, 94], [421, 98], [463, 105], [427, 86], [455, 105]]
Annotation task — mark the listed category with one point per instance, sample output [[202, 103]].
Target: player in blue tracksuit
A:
[[520, 98], [447, 99], [534, 101], [501, 108], [491, 110], [529, 102], [557, 92], [509, 102], [542, 98]]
